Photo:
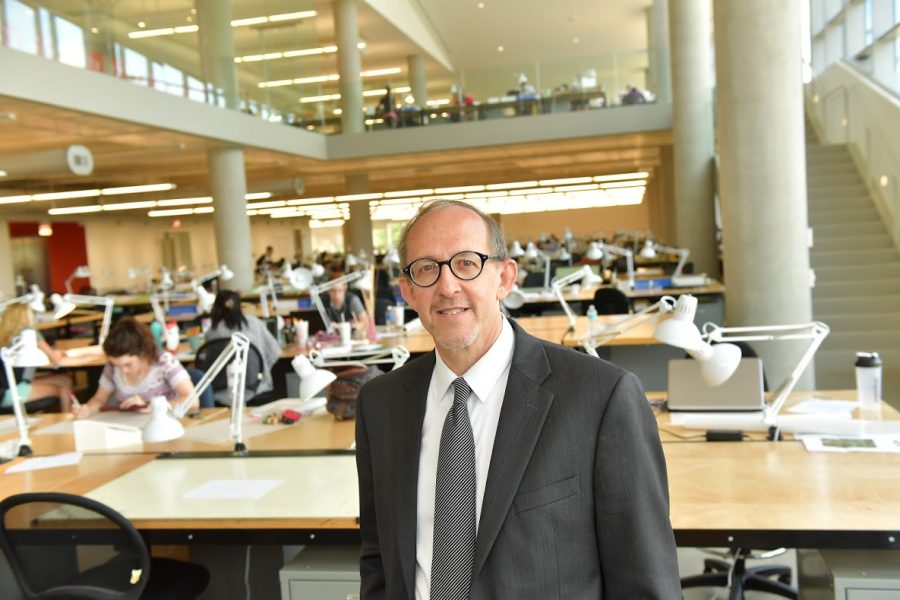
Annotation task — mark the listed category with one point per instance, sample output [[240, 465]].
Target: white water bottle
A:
[[868, 380], [593, 322], [173, 336]]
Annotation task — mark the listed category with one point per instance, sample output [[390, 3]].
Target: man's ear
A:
[[406, 290], [509, 271]]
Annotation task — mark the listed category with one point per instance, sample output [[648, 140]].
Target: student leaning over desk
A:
[[136, 373]]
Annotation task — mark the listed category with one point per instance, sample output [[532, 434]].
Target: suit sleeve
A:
[[371, 568], [634, 535]]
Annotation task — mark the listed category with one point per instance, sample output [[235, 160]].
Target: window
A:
[[867, 22], [70, 43], [135, 66], [20, 27]]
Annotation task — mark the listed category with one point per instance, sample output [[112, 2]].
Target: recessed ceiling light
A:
[[141, 24], [480, 5], [500, 48], [575, 40], [3, 173], [94, 30]]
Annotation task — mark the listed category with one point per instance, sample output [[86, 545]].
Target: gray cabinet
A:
[[849, 574], [322, 573]]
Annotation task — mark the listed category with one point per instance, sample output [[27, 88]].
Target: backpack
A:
[[343, 391]]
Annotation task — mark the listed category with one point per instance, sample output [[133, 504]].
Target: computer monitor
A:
[[562, 271], [743, 391]]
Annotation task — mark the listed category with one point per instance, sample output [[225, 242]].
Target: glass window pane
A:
[[20, 27], [135, 66], [46, 34], [70, 43]]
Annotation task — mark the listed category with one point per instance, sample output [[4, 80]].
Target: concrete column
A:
[[763, 172], [659, 73], [692, 125], [349, 66], [418, 78], [98, 41], [303, 240], [358, 230], [217, 48], [7, 279], [227, 180], [228, 186]]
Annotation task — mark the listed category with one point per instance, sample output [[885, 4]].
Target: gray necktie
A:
[[454, 503]]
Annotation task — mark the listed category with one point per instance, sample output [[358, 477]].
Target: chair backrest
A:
[[64, 546], [207, 354], [610, 301]]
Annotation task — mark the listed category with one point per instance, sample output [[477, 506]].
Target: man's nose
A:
[[447, 283]]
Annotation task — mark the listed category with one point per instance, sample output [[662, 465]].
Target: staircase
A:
[[857, 267]]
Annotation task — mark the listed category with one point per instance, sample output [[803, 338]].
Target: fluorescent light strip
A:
[[184, 201], [146, 33], [621, 176], [270, 204], [329, 77], [576, 188], [622, 184], [512, 185], [304, 201], [257, 195], [15, 199], [352, 197], [291, 53], [129, 205], [138, 189], [569, 181], [73, 210], [65, 195]]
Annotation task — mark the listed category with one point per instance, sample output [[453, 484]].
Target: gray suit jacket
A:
[[576, 503]]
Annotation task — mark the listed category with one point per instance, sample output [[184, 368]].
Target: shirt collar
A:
[[484, 374]]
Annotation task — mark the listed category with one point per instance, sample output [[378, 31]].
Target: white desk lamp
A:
[[23, 352], [299, 278], [80, 272], [206, 299], [515, 250], [34, 299], [316, 290], [719, 362], [515, 299], [317, 270], [164, 423], [609, 250], [594, 251], [312, 379], [531, 251], [63, 305], [679, 279], [815, 332], [584, 273], [591, 341], [396, 355], [166, 282]]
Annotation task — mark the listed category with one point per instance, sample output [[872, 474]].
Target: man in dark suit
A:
[[557, 481]]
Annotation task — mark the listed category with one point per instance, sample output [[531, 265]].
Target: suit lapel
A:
[[525, 407], [406, 456]]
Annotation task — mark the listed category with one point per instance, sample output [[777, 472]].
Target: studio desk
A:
[[729, 494]]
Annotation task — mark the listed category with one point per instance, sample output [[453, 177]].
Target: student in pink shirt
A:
[[136, 373]]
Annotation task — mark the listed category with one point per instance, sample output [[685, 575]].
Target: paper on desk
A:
[[113, 417], [233, 489], [219, 431], [818, 406], [46, 462], [870, 443], [9, 424]]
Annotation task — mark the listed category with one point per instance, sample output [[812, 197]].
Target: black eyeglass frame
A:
[[449, 262]]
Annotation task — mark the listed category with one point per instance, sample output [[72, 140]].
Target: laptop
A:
[[743, 391]]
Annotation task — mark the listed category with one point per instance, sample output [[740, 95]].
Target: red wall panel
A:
[[66, 250]]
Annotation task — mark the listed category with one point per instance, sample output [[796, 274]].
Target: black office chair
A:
[[66, 547], [610, 301], [206, 356]]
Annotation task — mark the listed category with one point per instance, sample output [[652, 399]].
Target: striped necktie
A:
[[454, 503]]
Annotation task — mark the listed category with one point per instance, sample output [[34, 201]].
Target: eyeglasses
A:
[[467, 265]]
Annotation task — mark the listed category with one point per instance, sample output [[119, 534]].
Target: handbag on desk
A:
[[343, 391]]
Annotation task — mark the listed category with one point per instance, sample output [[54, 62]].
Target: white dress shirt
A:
[[487, 378]]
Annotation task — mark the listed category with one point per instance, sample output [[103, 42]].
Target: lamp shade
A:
[[721, 365], [227, 274], [312, 380], [567, 234], [162, 426], [37, 299], [531, 250], [564, 254], [648, 251], [317, 270], [300, 278], [205, 299], [61, 307], [166, 282], [594, 252], [679, 329], [514, 299], [27, 353], [515, 250], [81, 272], [590, 278]]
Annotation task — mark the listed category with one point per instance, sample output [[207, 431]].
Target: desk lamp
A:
[[312, 379], [815, 332], [594, 251], [22, 352], [165, 281], [584, 273], [397, 356], [591, 341], [63, 305], [515, 250], [164, 423], [135, 272], [531, 251], [34, 299], [679, 279], [316, 290], [300, 278], [205, 299], [80, 272], [609, 251], [719, 362], [515, 299]]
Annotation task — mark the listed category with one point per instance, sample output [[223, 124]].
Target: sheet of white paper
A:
[[46, 462], [233, 489], [9, 423], [131, 419], [818, 406], [870, 443]]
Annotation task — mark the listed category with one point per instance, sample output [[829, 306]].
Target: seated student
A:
[[32, 385], [342, 307], [136, 373], [227, 318]]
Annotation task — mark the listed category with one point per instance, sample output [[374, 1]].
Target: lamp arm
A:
[[271, 283], [158, 313], [236, 348], [23, 299], [815, 331], [396, 355], [264, 300], [565, 306], [547, 261], [590, 342], [316, 290], [629, 260], [21, 423], [682, 254], [206, 277], [108, 304]]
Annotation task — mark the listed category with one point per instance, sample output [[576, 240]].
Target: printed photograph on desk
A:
[[872, 443]]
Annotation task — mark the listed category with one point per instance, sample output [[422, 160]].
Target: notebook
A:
[[743, 391]]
